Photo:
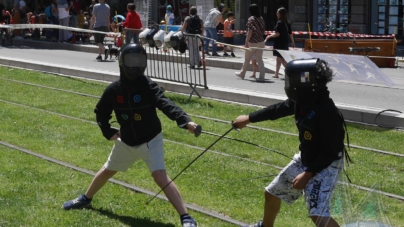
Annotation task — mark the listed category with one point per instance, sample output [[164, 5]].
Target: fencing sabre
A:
[[186, 167]]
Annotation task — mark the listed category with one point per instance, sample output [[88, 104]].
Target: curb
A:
[[352, 113], [90, 48]]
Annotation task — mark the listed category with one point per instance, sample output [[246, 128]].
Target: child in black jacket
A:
[[134, 99]]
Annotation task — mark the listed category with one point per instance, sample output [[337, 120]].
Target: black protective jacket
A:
[[321, 130], [134, 104]]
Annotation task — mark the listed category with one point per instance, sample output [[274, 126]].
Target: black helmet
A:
[[304, 79], [133, 61]]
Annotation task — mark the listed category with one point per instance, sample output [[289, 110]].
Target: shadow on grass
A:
[[131, 221]]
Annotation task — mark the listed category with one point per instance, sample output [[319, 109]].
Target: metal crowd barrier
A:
[[171, 65]]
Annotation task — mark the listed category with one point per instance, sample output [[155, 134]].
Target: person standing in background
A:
[[169, 17], [283, 30], [100, 21], [132, 22], [255, 38], [228, 33], [193, 24], [64, 9], [212, 20]]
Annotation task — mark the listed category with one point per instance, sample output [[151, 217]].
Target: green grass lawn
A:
[[61, 125]]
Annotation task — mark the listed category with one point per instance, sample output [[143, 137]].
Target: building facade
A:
[[357, 16], [377, 17]]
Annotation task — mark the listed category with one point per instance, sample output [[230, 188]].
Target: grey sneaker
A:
[[189, 222], [78, 203]]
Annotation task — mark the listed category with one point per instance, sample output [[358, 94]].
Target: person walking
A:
[[134, 98], [254, 39], [283, 30], [100, 21], [193, 24], [315, 170], [63, 10], [212, 20], [132, 22]]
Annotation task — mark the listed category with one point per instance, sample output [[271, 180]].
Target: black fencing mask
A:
[[304, 79], [133, 61]]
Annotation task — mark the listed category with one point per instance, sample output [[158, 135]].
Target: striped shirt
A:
[[213, 18], [257, 25]]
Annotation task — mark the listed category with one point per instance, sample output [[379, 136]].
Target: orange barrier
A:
[[378, 50]]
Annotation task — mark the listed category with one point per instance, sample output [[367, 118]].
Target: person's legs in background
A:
[[210, 34], [194, 56], [17, 20], [129, 36], [255, 66], [279, 61], [136, 38], [63, 34], [260, 61], [213, 34], [247, 58]]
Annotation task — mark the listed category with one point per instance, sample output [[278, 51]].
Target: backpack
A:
[[48, 11], [194, 25]]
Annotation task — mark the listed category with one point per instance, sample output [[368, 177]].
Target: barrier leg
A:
[[193, 90]]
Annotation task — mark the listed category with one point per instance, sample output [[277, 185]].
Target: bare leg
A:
[[283, 62], [101, 48], [171, 191], [99, 181], [271, 209], [324, 221], [278, 66], [255, 67]]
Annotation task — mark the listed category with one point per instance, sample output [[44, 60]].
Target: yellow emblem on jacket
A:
[[307, 135], [138, 117]]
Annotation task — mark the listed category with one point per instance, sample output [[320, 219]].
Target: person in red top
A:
[[132, 22]]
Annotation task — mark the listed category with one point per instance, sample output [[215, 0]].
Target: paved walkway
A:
[[357, 102]]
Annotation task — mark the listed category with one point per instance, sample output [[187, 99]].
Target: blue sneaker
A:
[[189, 222], [78, 203]]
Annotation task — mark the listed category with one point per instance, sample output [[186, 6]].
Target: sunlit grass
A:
[[216, 182]]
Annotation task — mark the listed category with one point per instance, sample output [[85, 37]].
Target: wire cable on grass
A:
[[395, 196], [219, 120], [386, 126]]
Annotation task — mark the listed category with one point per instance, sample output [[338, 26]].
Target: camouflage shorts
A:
[[317, 192]]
